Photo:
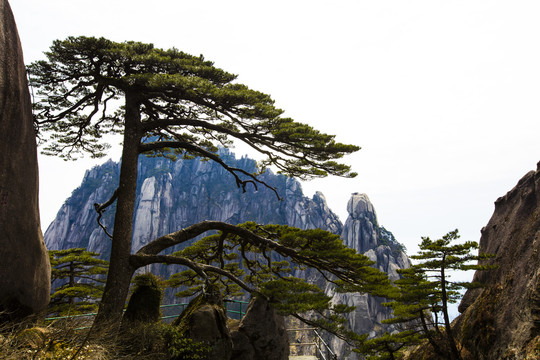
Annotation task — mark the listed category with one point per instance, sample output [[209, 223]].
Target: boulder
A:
[[144, 303], [24, 262], [261, 334], [242, 347], [502, 319], [205, 320]]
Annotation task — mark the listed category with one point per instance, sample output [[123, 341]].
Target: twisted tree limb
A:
[[100, 209]]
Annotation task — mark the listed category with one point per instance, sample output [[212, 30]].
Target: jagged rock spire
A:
[[360, 230]]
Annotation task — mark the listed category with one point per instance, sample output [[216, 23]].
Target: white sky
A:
[[443, 96]]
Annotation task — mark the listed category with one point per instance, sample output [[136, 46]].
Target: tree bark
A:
[[448, 327], [120, 270], [432, 341]]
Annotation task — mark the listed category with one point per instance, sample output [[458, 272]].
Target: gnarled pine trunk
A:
[[120, 270]]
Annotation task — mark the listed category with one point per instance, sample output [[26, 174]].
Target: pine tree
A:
[[422, 296], [79, 277], [415, 305], [388, 346], [264, 267], [165, 103]]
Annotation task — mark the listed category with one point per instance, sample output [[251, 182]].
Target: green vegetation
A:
[[143, 337], [182, 348], [157, 341], [388, 346], [172, 104], [89, 87], [65, 340], [421, 297], [259, 259], [79, 277]]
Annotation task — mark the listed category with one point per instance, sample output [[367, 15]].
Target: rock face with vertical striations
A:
[[502, 319], [363, 233], [24, 262], [173, 195]]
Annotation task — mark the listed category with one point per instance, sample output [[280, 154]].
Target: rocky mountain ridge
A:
[[173, 195]]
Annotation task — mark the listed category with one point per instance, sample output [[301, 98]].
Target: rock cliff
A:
[[24, 262], [172, 195], [502, 320], [363, 233]]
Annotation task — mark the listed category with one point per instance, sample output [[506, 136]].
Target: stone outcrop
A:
[[144, 303], [204, 320], [360, 231], [24, 262], [502, 320], [261, 334], [363, 233]]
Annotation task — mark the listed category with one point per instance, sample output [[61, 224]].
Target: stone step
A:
[[302, 357]]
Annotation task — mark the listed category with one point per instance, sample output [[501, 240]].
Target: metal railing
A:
[[170, 306], [321, 349], [238, 313]]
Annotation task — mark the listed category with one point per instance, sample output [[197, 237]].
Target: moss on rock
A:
[[144, 304]]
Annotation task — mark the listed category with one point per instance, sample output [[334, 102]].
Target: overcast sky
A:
[[442, 96]]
